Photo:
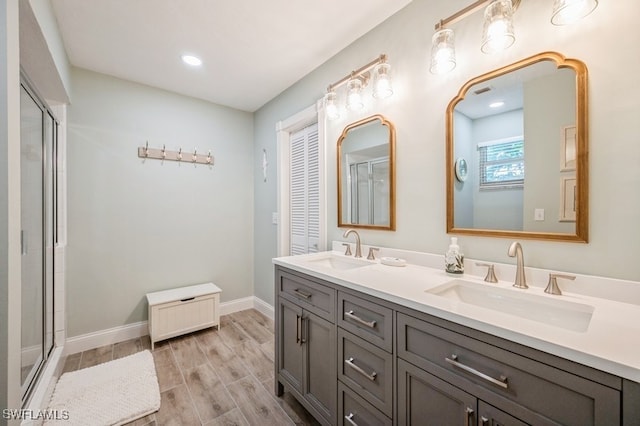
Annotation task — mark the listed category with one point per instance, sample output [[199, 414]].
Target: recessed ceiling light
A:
[[497, 104], [194, 61]]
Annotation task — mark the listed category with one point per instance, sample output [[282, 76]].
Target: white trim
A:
[[283, 154], [109, 336], [284, 128], [113, 335], [236, 305], [299, 120], [263, 307]]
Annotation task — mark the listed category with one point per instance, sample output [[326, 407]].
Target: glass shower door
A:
[[38, 130], [32, 196]]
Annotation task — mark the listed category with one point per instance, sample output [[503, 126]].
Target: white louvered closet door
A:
[[305, 191]]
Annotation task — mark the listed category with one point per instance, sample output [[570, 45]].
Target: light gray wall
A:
[[542, 147], [418, 111], [10, 393], [463, 191], [498, 208], [139, 226]]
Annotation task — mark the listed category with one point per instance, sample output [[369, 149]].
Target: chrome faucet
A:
[[358, 247], [515, 250]]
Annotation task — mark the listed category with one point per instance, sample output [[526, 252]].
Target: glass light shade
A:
[[443, 52], [354, 94], [568, 11], [498, 33], [330, 106], [382, 81]]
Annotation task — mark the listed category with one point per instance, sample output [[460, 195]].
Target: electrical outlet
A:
[[274, 218]]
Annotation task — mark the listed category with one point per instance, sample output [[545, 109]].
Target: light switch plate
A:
[[538, 215]]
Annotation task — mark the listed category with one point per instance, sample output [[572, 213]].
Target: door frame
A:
[[284, 129]]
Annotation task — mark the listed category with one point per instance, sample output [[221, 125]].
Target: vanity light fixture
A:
[[498, 33], [355, 83], [354, 94], [568, 11], [194, 61], [382, 81], [443, 51], [330, 106]]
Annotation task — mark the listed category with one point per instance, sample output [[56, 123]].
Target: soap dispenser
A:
[[454, 259]]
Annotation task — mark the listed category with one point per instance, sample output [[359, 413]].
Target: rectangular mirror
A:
[[366, 174], [517, 152]]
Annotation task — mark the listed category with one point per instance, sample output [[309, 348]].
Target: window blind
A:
[[501, 164], [305, 191]]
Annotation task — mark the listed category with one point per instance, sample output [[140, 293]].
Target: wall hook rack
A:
[[164, 154]]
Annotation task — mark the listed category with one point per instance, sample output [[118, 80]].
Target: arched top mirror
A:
[[517, 152], [366, 174]]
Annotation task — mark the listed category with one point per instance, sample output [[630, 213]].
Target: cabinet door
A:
[[290, 353], [488, 415], [423, 399], [319, 337]]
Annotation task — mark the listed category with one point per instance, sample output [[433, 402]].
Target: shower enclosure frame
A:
[[48, 237]]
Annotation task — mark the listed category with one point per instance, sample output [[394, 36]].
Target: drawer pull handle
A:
[[351, 315], [304, 330], [454, 361], [351, 364], [349, 418], [302, 294], [469, 416], [187, 299]]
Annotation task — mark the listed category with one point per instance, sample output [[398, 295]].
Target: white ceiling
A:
[[252, 49]]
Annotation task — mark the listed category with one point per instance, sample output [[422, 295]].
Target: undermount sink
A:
[[559, 313], [338, 262]]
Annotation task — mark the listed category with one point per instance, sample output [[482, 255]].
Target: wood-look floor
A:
[[212, 377]]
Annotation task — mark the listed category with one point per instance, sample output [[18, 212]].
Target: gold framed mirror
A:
[[521, 132], [366, 174]]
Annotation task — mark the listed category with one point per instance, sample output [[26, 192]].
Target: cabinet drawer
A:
[[503, 378], [365, 319], [354, 410], [366, 369], [311, 295]]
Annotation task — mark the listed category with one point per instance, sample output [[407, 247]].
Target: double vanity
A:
[[362, 343]]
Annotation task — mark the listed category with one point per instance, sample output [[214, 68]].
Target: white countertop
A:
[[611, 342]]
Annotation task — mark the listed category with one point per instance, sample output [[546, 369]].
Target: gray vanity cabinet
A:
[[354, 359], [529, 391], [306, 344], [424, 399], [365, 360]]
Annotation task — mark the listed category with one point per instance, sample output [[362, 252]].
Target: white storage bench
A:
[[183, 310]]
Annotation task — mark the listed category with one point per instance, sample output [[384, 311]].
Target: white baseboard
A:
[[84, 342], [263, 307], [113, 335], [237, 305]]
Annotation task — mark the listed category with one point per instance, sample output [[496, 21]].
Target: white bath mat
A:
[[112, 393]]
